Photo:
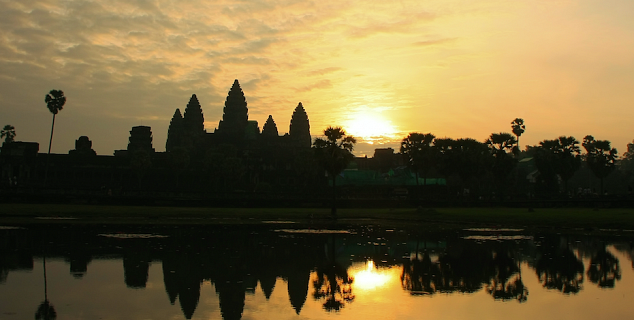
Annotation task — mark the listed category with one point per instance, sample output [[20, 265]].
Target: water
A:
[[292, 271]]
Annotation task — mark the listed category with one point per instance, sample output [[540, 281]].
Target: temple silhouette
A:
[[238, 161], [235, 128]]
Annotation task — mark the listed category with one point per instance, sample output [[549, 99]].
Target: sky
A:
[[380, 69]]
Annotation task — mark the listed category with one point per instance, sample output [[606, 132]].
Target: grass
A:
[[590, 219]]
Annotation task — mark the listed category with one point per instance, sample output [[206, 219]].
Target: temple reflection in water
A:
[[327, 269]]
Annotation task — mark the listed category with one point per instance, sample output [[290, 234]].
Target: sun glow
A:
[[370, 278], [369, 125]]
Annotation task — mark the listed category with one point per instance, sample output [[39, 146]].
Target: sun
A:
[[369, 126], [370, 278]]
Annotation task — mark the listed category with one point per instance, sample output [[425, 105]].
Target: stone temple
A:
[[235, 128]]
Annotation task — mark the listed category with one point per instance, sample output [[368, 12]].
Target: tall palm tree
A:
[[518, 128], [8, 133], [333, 154], [55, 101]]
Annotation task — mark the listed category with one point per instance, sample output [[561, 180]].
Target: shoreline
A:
[[606, 219]]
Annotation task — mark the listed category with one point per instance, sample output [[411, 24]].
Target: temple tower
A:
[[140, 139], [270, 128], [300, 127], [175, 132], [236, 115]]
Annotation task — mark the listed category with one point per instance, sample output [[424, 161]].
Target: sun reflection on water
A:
[[370, 278]]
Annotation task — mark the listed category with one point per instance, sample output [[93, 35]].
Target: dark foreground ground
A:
[[569, 218]]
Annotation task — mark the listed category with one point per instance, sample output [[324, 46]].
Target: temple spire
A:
[[175, 132], [236, 114], [300, 127], [270, 128]]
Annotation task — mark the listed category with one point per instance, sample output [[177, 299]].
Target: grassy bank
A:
[[549, 217]]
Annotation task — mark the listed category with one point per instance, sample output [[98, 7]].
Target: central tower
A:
[[236, 115]]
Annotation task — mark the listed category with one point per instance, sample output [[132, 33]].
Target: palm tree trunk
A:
[[333, 211], [602, 193], [45, 284], [50, 143]]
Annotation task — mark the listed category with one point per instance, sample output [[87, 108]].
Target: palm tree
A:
[[417, 147], [55, 101], [8, 133], [570, 159], [601, 158], [333, 154], [518, 128], [501, 146]]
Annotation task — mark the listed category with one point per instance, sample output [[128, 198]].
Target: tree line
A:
[[496, 158]]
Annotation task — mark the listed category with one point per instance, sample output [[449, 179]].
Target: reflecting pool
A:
[[295, 271]]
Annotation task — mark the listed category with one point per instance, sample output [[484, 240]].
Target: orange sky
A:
[[462, 68]]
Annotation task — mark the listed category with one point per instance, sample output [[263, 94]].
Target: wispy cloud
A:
[[322, 84], [434, 42]]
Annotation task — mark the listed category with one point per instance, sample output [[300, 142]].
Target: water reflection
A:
[[311, 271], [331, 281], [370, 278]]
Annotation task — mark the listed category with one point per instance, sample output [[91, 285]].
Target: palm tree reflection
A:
[[604, 269], [559, 268], [506, 283], [333, 283], [421, 276], [45, 311]]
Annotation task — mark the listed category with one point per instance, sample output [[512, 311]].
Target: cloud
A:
[[323, 71], [322, 84], [404, 25], [435, 42]]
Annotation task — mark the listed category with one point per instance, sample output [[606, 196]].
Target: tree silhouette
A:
[[506, 283], [601, 159], [501, 146], [518, 128], [445, 153], [626, 163], [333, 283], [546, 161], [45, 310], [604, 269], [333, 154], [55, 101], [417, 147], [558, 157], [470, 159], [558, 268], [421, 276], [569, 158], [8, 133]]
